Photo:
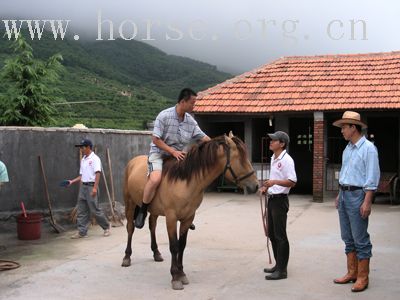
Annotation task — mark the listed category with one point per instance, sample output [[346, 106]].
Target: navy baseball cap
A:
[[85, 142]]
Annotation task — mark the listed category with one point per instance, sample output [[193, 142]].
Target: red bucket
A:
[[29, 228]]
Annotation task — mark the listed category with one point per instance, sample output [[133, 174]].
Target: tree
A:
[[30, 96]]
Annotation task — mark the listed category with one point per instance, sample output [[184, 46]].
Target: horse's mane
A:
[[200, 158]]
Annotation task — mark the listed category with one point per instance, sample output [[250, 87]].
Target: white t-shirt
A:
[[3, 172], [282, 168], [89, 166]]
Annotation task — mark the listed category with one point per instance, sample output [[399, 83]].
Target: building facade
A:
[[303, 96]]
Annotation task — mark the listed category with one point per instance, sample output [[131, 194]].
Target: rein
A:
[[264, 217], [229, 167], [264, 207]]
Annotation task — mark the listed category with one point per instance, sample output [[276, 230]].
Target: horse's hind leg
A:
[[154, 247], [130, 228]]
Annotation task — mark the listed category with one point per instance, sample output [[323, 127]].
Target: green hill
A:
[[129, 80]]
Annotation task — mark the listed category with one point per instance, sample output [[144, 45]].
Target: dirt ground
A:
[[224, 258]]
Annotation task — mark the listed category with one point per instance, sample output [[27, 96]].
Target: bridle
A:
[[229, 167], [264, 208]]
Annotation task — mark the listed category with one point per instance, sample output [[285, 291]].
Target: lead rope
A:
[[264, 216]]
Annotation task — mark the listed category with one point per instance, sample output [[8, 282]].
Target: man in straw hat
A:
[[358, 180]]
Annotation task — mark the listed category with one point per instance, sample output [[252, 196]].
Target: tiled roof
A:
[[310, 83]]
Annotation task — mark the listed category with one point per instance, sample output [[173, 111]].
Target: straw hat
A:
[[350, 117]]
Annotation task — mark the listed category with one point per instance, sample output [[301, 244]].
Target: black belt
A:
[[272, 196], [349, 187], [88, 183]]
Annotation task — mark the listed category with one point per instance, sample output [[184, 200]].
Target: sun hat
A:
[[350, 117]]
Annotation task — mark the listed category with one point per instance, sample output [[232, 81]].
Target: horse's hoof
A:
[[126, 262], [177, 285], [184, 279], [158, 257]]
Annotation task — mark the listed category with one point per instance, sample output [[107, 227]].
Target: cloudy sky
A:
[[234, 35]]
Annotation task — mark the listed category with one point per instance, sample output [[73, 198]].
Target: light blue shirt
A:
[[360, 165], [3, 172], [174, 132]]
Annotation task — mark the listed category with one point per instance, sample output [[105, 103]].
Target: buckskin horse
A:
[[181, 192]]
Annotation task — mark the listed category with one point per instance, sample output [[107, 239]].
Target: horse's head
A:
[[238, 168]]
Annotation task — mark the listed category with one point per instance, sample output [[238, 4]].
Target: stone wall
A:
[[20, 148]]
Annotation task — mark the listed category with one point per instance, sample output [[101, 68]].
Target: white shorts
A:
[[154, 162]]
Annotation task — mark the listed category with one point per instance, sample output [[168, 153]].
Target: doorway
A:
[[301, 133]]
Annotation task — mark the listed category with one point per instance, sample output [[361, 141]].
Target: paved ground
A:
[[224, 258]]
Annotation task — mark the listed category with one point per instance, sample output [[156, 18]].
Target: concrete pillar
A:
[[398, 167], [318, 158], [282, 124], [248, 137]]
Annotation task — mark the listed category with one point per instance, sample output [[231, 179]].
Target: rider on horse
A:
[[174, 129]]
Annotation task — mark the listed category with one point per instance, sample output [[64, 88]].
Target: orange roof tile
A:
[[309, 83]]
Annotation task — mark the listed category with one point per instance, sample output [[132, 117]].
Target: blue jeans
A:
[[353, 228]]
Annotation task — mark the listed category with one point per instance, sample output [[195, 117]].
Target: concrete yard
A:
[[224, 258]]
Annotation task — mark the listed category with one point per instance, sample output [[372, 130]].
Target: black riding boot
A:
[[270, 270], [278, 274], [273, 269], [282, 259], [141, 217]]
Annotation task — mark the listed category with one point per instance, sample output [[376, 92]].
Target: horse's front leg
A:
[[174, 249], [130, 228], [183, 232], [154, 247]]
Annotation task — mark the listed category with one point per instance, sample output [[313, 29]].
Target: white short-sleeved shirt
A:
[[3, 172], [89, 166], [282, 168]]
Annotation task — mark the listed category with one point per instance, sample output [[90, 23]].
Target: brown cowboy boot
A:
[[351, 275], [362, 277]]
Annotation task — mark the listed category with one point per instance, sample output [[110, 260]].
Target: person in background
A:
[[358, 181], [3, 173], [282, 178], [89, 178]]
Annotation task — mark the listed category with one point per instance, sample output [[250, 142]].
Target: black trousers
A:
[[277, 219]]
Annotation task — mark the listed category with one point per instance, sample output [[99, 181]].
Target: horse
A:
[[181, 192]]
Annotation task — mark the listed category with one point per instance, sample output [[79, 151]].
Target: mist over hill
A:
[[124, 84]]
